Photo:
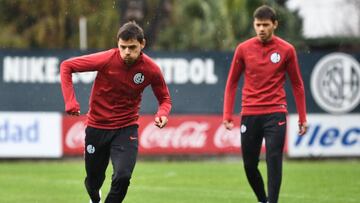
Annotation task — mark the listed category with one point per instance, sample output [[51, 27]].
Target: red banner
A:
[[184, 134], [73, 135], [188, 134]]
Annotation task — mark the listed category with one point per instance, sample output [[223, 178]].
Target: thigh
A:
[[97, 151], [251, 137], [124, 149], [275, 132]]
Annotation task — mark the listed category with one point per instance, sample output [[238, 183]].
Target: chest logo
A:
[[275, 57], [139, 78]]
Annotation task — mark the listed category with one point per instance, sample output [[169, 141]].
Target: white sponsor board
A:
[[25, 135], [327, 136]]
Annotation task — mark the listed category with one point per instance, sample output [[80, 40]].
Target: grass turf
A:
[[181, 182]]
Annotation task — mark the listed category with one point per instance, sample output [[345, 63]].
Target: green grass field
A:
[[180, 182]]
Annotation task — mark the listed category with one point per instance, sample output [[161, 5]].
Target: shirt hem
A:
[[261, 110], [112, 127]]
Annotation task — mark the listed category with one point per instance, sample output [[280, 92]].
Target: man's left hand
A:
[[302, 128]]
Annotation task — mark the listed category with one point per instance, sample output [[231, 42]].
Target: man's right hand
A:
[[228, 124], [73, 113], [161, 121]]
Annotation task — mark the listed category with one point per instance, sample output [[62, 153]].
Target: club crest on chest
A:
[[139, 78], [275, 57]]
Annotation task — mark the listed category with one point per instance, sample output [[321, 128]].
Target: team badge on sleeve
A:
[[275, 57], [139, 78]]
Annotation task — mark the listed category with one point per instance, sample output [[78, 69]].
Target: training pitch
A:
[[181, 182]]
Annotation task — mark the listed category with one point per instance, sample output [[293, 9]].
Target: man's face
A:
[[130, 50], [264, 29]]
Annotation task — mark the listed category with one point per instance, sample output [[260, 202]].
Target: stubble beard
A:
[[129, 62]]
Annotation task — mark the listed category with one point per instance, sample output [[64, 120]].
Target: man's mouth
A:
[[128, 60]]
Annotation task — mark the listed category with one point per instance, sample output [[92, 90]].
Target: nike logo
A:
[[113, 72], [133, 138], [281, 123]]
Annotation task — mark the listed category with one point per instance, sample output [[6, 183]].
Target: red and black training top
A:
[[117, 90], [264, 66]]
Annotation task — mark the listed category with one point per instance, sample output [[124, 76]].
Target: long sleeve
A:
[[162, 94], [235, 72], [92, 62], [297, 85]]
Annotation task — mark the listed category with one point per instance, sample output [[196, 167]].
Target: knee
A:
[[122, 177], [94, 182], [274, 155], [250, 166]]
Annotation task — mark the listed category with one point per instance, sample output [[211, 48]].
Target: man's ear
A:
[[276, 23], [142, 44]]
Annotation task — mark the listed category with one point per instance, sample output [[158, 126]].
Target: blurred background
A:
[[193, 43]]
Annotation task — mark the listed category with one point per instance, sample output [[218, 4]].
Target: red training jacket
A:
[[117, 90], [264, 66]]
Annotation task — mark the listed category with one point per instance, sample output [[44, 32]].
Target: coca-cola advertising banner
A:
[[73, 135], [184, 134], [189, 134]]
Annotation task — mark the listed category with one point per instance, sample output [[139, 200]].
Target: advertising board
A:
[[184, 134], [327, 136], [32, 135]]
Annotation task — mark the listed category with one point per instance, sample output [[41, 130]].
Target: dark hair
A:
[[131, 30], [265, 12]]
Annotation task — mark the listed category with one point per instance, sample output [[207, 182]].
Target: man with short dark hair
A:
[[264, 60], [112, 121]]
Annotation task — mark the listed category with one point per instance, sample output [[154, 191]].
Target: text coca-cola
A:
[[187, 135]]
